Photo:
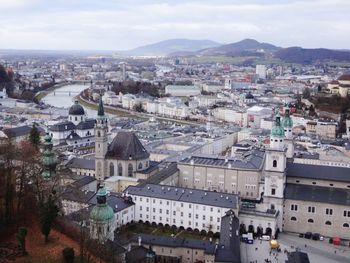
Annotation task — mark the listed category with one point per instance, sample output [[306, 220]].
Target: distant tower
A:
[[288, 126], [209, 122], [274, 172], [123, 71], [101, 142], [49, 159], [102, 218]]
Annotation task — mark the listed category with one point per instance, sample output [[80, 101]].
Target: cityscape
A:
[[140, 132]]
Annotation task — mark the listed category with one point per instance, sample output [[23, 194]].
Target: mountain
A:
[[171, 46], [244, 47], [311, 55]]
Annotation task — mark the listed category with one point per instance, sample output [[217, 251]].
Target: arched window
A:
[[328, 223], [76, 118], [98, 134], [293, 218], [140, 166], [274, 163], [272, 207], [111, 169], [81, 118], [120, 169], [345, 225], [130, 170], [310, 220]]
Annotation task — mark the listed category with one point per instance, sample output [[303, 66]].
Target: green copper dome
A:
[[287, 120], [277, 129], [102, 212]]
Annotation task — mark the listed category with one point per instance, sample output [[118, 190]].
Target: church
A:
[[77, 131], [124, 156]]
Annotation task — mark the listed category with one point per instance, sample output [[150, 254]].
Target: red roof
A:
[[344, 77]]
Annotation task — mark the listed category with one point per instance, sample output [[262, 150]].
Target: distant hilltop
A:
[[249, 48]]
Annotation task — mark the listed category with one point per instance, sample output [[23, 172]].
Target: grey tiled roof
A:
[[20, 131], [185, 195], [81, 163], [252, 160], [84, 181], [161, 175], [318, 194], [86, 125], [321, 172], [126, 146], [62, 126], [297, 257], [206, 245]]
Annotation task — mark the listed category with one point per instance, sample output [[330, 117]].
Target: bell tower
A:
[[274, 172], [288, 126], [101, 143]]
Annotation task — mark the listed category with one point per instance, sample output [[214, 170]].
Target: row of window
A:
[[181, 222], [298, 181], [312, 209], [310, 220], [181, 214]]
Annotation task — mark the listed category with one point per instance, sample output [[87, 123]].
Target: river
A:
[[61, 98]]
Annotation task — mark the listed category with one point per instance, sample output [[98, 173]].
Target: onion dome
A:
[[76, 109], [277, 129], [49, 159], [287, 120], [102, 213]]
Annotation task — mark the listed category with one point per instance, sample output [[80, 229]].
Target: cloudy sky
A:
[[125, 24]]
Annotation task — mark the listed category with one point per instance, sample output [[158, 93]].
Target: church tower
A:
[[288, 126], [274, 173], [101, 142], [102, 218]]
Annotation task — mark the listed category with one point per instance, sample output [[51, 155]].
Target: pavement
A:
[[318, 251]]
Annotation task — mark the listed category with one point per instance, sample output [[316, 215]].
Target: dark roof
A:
[[76, 195], [62, 126], [86, 125], [229, 245], [161, 175], [187, 195], [84, 181], [126, 146], [73, 136], [81, 163], [20, 131], [76, 109], [252, 160], [166, 241], [153, 165], [321, 172], [320, 194], [297, 257]]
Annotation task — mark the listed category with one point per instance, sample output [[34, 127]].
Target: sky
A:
[[125, 24]]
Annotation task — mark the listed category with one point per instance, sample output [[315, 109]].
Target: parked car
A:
[[321, 238], [265, 237], [301, 235], [308, 235], [315, 236]]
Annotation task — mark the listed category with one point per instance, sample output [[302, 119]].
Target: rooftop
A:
[[209, 198]]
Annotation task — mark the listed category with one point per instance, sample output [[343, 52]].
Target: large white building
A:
[[181, 207]]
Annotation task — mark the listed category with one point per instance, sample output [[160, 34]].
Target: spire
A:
[[287, 120], [49, 159], [277, 129], [101, 111]]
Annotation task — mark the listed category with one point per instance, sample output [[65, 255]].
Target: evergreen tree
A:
[[21, 237], [48, 213], [34, 136]]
